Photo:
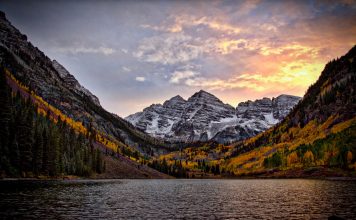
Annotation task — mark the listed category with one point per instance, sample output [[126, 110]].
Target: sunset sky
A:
[[135, 53]]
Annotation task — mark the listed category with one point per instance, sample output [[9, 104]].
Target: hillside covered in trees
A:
[[32, 144], [318, 137], [319, 132], [54, 84], [52, 126], [37, 140]]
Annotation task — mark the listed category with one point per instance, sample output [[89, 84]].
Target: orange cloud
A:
[[181, 21]]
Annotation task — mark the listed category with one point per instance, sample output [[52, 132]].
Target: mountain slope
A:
[[317, 138], [49, 80], [204, 117], [320, 131], [38, 140]]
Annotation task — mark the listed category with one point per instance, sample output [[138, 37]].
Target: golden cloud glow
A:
[[189, 21], [292, 49], [213, 24], [296, 75], [226, 46]]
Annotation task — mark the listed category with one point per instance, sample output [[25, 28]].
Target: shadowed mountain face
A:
[[204, 117], [51, 81]]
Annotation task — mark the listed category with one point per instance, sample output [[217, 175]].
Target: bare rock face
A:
[[182, 120], [257, 116], [204, 117], [73, 83]]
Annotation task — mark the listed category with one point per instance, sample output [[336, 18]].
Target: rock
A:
[[73, 83], [205, 117]]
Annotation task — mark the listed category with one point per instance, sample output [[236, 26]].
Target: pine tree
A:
[[30, 142], [38, 149], [25, 138], [53, 151], [45, 154], [99, 165], [5, 117]]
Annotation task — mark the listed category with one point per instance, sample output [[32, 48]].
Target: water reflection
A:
[[244, 199]]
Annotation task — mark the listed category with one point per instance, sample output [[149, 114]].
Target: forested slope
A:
[[318, 137], [37, 140], [320, 130]]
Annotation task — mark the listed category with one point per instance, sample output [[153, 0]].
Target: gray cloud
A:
[[76, 50], [168, 49]]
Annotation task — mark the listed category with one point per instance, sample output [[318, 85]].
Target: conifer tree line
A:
[[31, 144], [176, 169]]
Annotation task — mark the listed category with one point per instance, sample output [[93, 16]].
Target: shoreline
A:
[[332, 178]]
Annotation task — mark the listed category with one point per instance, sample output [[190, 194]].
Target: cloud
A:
[[168, 49], [177, 76], [177, 23], [124, 51], [126, 69], [173, 28], [79, 50], [227, 46], [140, 78], [247, 6], [292, 75]]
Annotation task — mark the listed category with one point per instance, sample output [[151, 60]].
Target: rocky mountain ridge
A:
[[72, 82], [204, 117]]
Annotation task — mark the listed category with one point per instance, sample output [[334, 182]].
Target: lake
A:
[[167, 199]]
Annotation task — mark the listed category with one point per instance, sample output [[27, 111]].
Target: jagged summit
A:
[[201, 94], [204, 117], [178, 97], [174, 102]]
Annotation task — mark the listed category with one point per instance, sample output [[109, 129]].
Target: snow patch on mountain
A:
[[270, 119]]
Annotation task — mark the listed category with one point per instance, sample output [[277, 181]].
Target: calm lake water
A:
[[167, 199]]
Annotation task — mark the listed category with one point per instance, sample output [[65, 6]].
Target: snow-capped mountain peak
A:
[[205, 117]]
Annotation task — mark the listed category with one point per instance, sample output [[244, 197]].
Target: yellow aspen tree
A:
[[292, 159], [308, 157], [349, 157]]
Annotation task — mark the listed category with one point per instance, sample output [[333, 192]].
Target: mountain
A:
[[204, 117], [42, 104], [51, 81], [319, 132], [253, 117], [317, 138], [72, 82]]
